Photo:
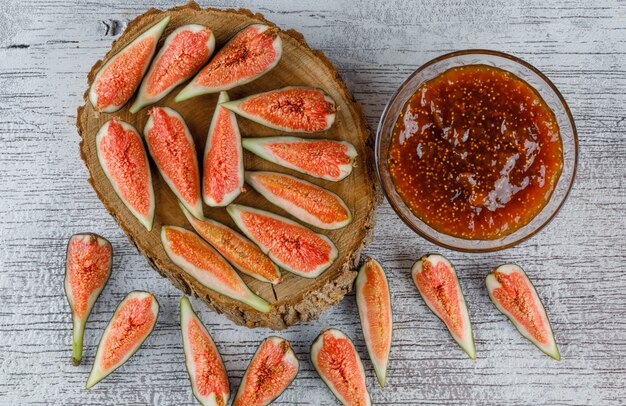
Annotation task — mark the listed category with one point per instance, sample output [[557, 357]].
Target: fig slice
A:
[[338, 364], [87, 270], [209, 381], [325, 159], [250, 54], [514, 295], [198, 259], [290, 245], [272, 369], [242, 253], [123, 159], [374, 304], [305, 201], [222, 177], [130, 325], [436, 280], [172, 147], [186, 50], [119, 77], [291, 109]]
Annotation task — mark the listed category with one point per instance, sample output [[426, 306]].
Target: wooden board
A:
[[295, 299]]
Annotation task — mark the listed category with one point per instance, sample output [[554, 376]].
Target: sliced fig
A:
[[515, 296], [305, 201], [184, 52], [130, 325], [120, 76], [207, 374], [374, 304], [198, 259], [289, 244], [222, 177], [292, 109], [242, 253], [325, 159], [436, 280], [253, 52], [174, 152], [87, 270], [338, 364], [272, 369], [124, 161]]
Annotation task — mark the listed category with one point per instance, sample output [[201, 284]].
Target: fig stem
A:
[[77, 342]]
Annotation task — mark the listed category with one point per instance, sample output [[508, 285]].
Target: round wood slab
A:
[[296, 299]]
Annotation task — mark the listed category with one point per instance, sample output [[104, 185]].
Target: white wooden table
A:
[[578, 262]]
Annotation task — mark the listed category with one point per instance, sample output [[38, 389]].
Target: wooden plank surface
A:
[[578, 262]]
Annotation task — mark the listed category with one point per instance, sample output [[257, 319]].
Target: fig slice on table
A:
[[119, 77], [209, 381], [130, 325], [172, 147], [123, 159], [272, 369], [436, 280], [250, 54], [325, 159], [186, 50], [198, 259], [291, 109], [514, 295], [87, 270], [338, 364], [374, 304], [222, 177], [290, 245]]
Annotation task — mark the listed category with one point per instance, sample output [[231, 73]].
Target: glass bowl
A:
[[523, 70]]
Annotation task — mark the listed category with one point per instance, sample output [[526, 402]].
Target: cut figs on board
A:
[[124, 160], [186, 50], [338, 364], [272, 369], [374, 303], [436, 280], [222, 177], [320, 158], [198, 259], [305, 201], [173, 150], [119, 77], [290, 245], [250, 54], [291, 109], [209, 381], [87, 270], [515, 296], [242, 253], [130, 325]]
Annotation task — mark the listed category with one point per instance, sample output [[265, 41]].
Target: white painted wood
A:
[[578, 262]]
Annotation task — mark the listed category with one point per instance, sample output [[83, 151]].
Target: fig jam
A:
[[476, 153]]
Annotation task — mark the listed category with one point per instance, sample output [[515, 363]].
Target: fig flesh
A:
[[130, 325], [290, 245], [515, 296], [119, 77], [253, 52], [198, 259], [87, 270], [184, 52], [436, 280], [123, 159], [325, 159], [272, 369], [291, 109], [207, 374]]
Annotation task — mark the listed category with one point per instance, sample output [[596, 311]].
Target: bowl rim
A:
[[405, 219]]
